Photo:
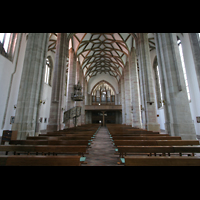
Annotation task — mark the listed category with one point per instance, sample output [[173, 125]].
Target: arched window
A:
[[183, 67], [7, 44], [103, 93], [48, 71], [158, 84], [198, 35], [4, 39]]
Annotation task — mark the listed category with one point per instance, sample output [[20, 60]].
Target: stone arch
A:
[[106, 83]]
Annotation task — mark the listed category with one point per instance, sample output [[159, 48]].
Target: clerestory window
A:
[[48, 71], [158, 88], [159, 85], [183, 67], [7, 44]]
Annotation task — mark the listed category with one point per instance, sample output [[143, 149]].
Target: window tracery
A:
[[7, 44], [183, 67]]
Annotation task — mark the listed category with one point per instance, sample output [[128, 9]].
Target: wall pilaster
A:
[[134, 87], [180, 122], [31, 85], [147, 82], [57, 97]]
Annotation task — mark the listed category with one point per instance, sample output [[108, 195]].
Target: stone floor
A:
[[102, 151]]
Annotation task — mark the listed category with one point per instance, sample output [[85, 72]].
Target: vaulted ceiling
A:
[[101, 52]]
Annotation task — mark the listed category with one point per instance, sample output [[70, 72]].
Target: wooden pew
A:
[[161, 161], [60, 138], [50, 142], [24, 160], [123, 150], [55, 149], [124, 129], [90, 128], [143, 134], [155, 142], [68, 133], [118, 132], [146, 138], [28, 142]]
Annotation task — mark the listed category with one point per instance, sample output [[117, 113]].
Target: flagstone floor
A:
[[102, 151]]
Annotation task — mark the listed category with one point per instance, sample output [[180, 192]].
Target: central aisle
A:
[[102, 152]]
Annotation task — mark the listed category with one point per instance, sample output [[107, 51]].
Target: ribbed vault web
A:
[[100, 52]]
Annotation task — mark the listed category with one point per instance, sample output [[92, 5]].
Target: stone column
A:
[[134, 83], [119, 95], [83, 102], [195, 52], [70, 85], [103, 117], [86, 91], [31, 86], [57, 97], [142, 97], [147, 82], [127, 95], [164, 84], [116, 98], [78, 79], [123, 99], [177, 101]]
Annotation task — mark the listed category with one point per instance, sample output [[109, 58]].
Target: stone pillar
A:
[[58, 88], [86, 92], [177, 101], [31, 86], [83, 102], [127, 95], [164, 84], [78, 79], [147, 82], [116, 98], [142, 97], [119, 95], [123, 99], [134, 83], [195, 52], [103, 117], [70, 85]]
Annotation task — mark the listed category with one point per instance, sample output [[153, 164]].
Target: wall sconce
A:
[[150, 102], [42, 102], [163, 101], [142, 108], [132, 108]]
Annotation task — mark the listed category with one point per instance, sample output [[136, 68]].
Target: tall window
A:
[[198, 36], [7, 44], [158, 88], [47, 78], [4, 39], [161, 97], [183, 67]]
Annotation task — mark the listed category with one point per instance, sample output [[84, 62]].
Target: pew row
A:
[[24, 160], [155, 142], [50, 142], [161, 161], [54, 149], [146, 138], [123, 150], [60, 138]]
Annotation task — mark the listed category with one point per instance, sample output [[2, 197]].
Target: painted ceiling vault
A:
[[101, 52]]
